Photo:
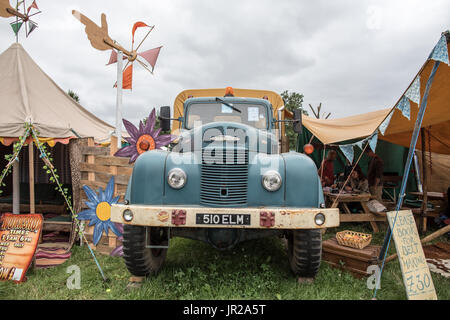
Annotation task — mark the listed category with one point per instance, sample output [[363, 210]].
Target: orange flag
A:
[[127, 78], [138, 24]]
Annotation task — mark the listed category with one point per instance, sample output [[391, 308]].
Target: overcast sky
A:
[[353, 56]]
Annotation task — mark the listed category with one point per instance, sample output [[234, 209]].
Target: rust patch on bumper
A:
[[267, 219], [179, 217], [163, 216]]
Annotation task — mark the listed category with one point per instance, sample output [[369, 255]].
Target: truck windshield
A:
[[251, 114]]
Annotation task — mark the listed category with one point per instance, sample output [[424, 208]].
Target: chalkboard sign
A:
[[19, 237], [416, 274]]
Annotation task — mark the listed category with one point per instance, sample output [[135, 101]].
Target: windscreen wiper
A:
[[228, 105]]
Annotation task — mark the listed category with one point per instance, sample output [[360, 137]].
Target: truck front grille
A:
[[224, 177]]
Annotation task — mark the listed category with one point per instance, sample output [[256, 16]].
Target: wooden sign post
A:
[[416, 274]]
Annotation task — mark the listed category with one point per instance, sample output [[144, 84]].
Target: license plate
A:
[[223, 219]]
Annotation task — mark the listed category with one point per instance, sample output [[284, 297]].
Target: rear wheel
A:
[[142, 261], [305, 252]]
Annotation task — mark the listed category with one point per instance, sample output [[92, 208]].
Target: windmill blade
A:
[[142, 41], [144, 65], [113, 57], [151, 55]]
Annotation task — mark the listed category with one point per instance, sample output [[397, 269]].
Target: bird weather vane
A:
[[100, 40], [6, 11]]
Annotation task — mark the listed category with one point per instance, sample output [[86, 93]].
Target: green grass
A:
[[193, 270]]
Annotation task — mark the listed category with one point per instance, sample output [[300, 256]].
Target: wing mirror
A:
[[297, 121], [164, 118]]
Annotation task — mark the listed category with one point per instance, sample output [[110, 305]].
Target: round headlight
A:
[[176, 178], [127, 215], [271, 180], [319, 219]]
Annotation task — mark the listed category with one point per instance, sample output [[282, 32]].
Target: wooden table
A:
[[436, 197], [348, 216], [430, 195]]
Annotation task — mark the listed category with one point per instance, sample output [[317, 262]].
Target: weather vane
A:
[[22, 18], [100, 40]]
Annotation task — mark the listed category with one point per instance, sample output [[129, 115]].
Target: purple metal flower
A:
[[143, 139]]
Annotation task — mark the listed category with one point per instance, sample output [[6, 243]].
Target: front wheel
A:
[[305, 251], [142, 261]]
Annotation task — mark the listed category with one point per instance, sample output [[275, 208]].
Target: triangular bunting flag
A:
[[151, 56], [31, 27], [360, 144], [383, 126], [347, 150], [413, 92], [373, 141], [33, 5], [16, 26], [404, 106], [440, 51], [113, 57]]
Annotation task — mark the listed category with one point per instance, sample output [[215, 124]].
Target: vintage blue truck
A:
[[227, 179]]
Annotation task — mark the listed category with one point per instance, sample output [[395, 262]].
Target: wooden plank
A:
[[113, 161], [90, 158], [360, 217], [118, 179], [93, 167], [93, 151], [93, 184], [121, 189], [113, 145]]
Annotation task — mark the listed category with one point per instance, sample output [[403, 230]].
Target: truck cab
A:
[[227, 179]]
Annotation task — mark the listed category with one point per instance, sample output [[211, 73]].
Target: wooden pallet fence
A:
[[96, 167]]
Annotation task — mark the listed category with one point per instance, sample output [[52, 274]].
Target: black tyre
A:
[[142, 261], [305, 252]]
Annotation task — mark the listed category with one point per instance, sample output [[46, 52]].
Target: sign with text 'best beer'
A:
[[415, 271], [19, 237]]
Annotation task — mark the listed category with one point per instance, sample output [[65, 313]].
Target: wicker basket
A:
[[353, 239]]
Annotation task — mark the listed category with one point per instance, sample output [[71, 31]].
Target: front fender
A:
[[147, 181], [303, 188]]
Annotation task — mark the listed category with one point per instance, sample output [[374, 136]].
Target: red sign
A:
[[19, 237]]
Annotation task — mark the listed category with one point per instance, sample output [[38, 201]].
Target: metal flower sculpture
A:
[[99, 212], [143, 139]]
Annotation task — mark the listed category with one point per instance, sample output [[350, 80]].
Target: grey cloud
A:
[[331, 51]]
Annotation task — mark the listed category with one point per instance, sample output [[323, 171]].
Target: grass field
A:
[[193, 270]]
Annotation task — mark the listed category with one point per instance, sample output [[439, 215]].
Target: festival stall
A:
[[34, 107]]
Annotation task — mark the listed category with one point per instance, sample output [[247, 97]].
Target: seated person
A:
[[326, 170], [358, 182]]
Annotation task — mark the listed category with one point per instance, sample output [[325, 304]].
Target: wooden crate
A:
[[353, 260], [95, 166]]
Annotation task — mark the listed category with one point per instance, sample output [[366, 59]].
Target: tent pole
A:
[[16, 188], [424, 181], [31, 173], [119, 99]]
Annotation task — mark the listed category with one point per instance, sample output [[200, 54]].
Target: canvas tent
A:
[[436, 120], [400, 121], [28, 95]]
